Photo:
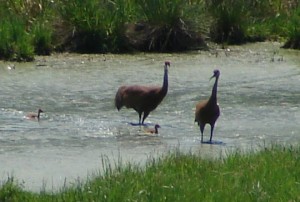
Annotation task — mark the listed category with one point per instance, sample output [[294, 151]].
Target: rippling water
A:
[[259, 97]]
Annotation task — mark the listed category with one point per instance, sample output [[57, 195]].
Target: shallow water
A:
[[258, 94]]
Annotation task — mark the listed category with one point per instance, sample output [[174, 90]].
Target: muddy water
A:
[[258, 94]]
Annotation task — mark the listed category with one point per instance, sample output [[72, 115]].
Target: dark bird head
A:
[[156, 126], [40, 111], [216, 74], [167, 63]]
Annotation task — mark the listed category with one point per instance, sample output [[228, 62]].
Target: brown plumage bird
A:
[[143, 99], [153, 130], [208, 111], [34, 115]]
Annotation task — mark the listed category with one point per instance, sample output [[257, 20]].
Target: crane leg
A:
[[145, 116], [202, 130], [140, 117], [211, 132]]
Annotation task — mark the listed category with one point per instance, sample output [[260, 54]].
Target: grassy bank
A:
[[98, 26], [272, 174]]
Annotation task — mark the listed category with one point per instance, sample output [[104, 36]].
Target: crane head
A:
[[167, 63], [216, 74]]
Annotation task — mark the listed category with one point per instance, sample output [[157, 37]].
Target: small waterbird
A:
[[143, 99], [153, 130], [208, 111], [34, 115]]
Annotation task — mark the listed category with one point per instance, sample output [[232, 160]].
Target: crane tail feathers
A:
[[119, 100]]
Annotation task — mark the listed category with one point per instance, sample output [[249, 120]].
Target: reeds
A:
[[161, 12], [231, 19], [42, 38], [293, 30], [99, 26], [24, 29], [15, 41], [237, 22], [165, 26]]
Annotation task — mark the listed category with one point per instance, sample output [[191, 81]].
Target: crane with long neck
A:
[[143, 99], [208, 111]]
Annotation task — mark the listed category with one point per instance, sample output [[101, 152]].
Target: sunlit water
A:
[[258, 94]]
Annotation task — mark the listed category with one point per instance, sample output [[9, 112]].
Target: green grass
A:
[[15, 42], [165, 27], [24, 29], [236, 22], [293, 30], [161, 12], [96, 26], [271, 174], [100, 26], [230, 20], [42, 38]]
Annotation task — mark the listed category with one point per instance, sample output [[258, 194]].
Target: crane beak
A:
[[216, 74]]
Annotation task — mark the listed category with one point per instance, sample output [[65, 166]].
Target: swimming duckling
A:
[[153, 130], [34, 115]]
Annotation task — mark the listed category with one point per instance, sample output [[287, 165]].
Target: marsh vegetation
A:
[[40, 27]]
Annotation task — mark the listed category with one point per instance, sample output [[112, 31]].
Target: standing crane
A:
[[143, 99], [208, 111]]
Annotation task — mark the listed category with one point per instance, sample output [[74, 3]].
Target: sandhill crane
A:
[[208, 111], [143, 99]]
